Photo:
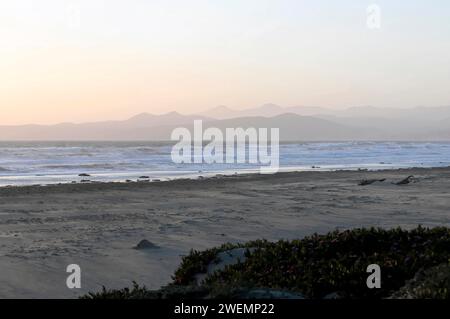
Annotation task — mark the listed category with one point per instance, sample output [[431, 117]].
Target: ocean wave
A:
[[86, 166]]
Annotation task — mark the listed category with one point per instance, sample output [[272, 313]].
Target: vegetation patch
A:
[[318, 266], [433, 283]]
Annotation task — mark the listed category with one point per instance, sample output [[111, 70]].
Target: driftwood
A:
[[365, 182], [405, 181]]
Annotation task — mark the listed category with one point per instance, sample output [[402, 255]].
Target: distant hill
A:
[[368, 123], [266, 110], [172, 118], [136, 127], [418, 123], [144, 127], [297, 128], [270, 110], [220, 112]]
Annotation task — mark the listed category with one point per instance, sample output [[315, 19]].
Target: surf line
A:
[[213, 146]]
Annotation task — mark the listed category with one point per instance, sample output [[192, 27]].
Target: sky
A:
[[76, 61]]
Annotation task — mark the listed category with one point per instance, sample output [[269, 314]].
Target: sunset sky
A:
[[94, 60]]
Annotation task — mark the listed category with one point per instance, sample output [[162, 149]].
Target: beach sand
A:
[[45, 228]]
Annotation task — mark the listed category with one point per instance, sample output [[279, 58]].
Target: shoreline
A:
[[201, 176]]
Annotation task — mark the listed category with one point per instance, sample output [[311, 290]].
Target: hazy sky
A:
[[102, 59]]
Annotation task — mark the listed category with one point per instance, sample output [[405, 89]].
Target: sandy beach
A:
[[45, 228]]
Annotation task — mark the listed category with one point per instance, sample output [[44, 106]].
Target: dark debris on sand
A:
[[145, 244]]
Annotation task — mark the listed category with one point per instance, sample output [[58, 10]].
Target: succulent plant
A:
[[320, 265]]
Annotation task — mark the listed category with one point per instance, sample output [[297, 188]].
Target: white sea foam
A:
[[23, 163]]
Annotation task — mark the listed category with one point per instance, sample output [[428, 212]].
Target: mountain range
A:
[[298, 123]]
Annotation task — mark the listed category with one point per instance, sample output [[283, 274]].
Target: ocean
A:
[[31, 163]]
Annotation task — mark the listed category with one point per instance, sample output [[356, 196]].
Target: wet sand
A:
[[45, 228]]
